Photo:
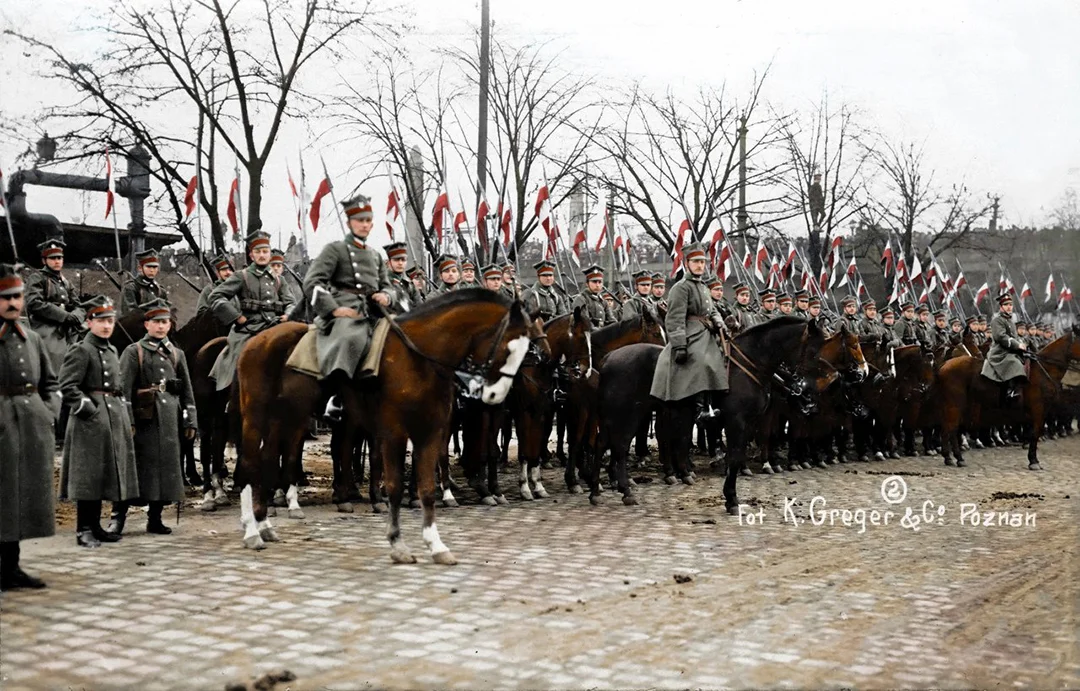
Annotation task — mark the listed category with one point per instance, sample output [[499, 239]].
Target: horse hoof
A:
[[629, 500], [732, 509], [687, 479], [345, 507], [271, 512], [1034, 466], [949, 462], [296, 513], [488, 501], [767, 469], [450, 503], [893, 455], [254, 542], [207, 506], [746, 472], [377, 507], [445, 558], [632, 483], [961, 463], [542, 493], [526, 493], [401, 556], [575, 489], [269, 534], [864, 458], [821, 464], [414, 503], [279, 499], [670, 480], [978, 444], [502, 500], [596, 500], [807, 465], [221, 499]]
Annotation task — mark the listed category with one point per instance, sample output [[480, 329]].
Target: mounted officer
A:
[[223, 268], [144, 287], [404, 293], [52, 304], [591, 300], [767, 299], [154, 378], [99, 455], [1003, 363], [640, 302], [543, 297], [493, 277], [28, 404], [692, 362], [449, 273], [250, 301], [468, 275], [341, 280], [742, 311]]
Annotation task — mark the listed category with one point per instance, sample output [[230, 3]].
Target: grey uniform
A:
[[547, 301], [1002, 363], [595, 307], [638, 305], [344, 274], [28, 405], [255, 294], [139, 291], [53, 313], [705, 368]]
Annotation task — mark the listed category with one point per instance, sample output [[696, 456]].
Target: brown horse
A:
[[473, 336], [971, 399], [581, 404]]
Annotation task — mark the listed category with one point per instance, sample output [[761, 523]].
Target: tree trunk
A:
[[814, 252], [254, 206]]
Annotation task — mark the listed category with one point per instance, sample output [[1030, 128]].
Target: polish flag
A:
[[481, 224], [542, 210], [316, 202], [676, 253], [580, 239], [1064, 296], [393, 211], [790, 261], [761, 258], [234, 204], [981, 293], [1025, 292], [189, 196], [916, 268], [507, 225], [603, 236], [1049, 287], [887, 258], [717, 238], [442, 204], [723, 266]]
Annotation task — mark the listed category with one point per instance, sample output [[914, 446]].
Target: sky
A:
[[990, 87]]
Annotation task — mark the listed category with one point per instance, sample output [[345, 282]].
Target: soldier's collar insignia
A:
[[15, 326], [359, 243]]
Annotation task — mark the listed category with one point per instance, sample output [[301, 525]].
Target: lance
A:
[[187, 280], [6, 203], [108, 274], [333, 197], [116, 227], [570, 269]]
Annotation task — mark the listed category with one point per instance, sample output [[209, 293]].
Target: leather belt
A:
[[109, 392], [25, 390]]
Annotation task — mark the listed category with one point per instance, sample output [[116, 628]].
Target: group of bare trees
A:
[[239, 72]]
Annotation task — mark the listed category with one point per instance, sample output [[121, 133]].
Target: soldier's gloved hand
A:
[[681, 356], [72, 320]]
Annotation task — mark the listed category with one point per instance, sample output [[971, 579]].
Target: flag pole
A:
[[7, 219], [239, 206], [112, 209], [333, 197]]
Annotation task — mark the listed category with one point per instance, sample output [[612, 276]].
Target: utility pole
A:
[[482, 133], [996, 199], [742, 217]]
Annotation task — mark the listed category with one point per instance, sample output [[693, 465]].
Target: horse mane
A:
[[1046, 348], [455, 297], [769, 326], [606, 334]]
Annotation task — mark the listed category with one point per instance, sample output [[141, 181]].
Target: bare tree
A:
[[825, 141], [908, 191], [1066, 215], [961, 211], [662, 155]]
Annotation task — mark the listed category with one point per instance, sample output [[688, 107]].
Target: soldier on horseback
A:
[[142, 288], [224, 268], [907, 328], [743, 314], [468, 275], [767, 299], [659, 287], [591, 300], [340, 281], [419, 281], [802, 304], [251, 301], [493, 277], [544, 298], [640, 302], [509, 286], [52, 304], [783, 304], [449, 273], [405, 295], [1003, 363]]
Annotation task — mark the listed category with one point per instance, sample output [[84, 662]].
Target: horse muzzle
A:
[[494, 393]]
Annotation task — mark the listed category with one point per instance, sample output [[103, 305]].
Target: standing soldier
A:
[[224, 268], [52, 305], [543, 298], [449, 273], [405, 296], [468, 274], [341, 280], [28, 404], [816, 198], [263, 301], [591, 300], [1003, 364], [99, 456], [154, 377], [641, 301], [144, 287]]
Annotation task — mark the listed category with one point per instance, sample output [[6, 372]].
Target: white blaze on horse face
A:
[[496, 393], [433, 541]]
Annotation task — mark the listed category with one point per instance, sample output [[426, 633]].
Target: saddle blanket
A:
[[305, 359]]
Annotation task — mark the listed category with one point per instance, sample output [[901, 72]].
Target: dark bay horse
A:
[[908, 377], [581, 401], [473, 335], [971, 399]]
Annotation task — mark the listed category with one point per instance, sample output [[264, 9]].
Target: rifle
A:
[[108, 274], [187, 280]]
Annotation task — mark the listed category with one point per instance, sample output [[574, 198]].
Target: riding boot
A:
[[154, 524], [85, 518], [118, 518], [95, 525], [11, 576]]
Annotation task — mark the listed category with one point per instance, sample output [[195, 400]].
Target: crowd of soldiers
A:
[[121, 416]]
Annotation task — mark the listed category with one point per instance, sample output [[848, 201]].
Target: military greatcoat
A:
[[28, 405], [99, 455], [344, 274], [1002, 363], [139, 291], [595, 307], [403, 294], [51, 306], [638, 305], [255, 294], [547, 301], [690, 307], [161, 372]]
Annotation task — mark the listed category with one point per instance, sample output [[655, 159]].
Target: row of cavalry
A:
[[474, 362]]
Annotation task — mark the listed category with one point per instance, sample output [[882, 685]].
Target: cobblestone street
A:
[[559, 594]]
